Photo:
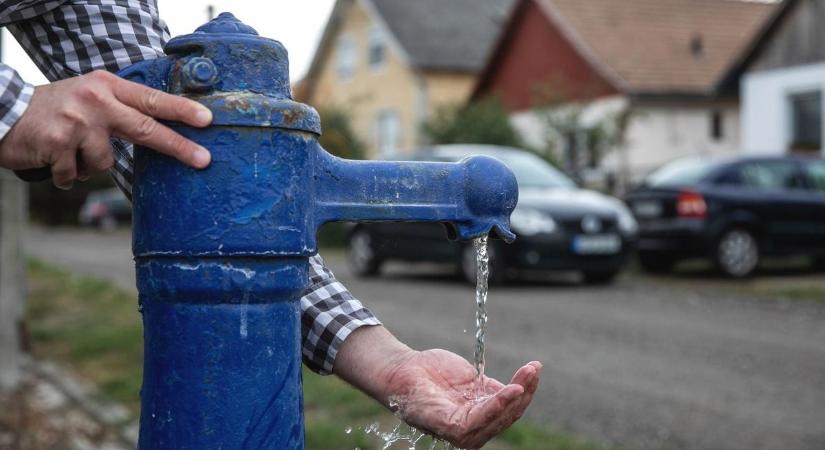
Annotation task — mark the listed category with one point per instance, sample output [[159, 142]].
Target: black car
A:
[[732, 211], [559, 227]]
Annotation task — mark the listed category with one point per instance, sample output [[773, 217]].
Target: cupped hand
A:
[[68, 124], [435, 391]]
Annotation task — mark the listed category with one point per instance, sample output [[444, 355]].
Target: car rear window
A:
[[815, 170], [683, 172], [775, 175]]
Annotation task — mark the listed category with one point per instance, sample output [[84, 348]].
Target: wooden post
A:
[[13, 212]]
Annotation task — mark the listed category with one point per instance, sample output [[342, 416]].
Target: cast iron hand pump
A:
[[222, 254]]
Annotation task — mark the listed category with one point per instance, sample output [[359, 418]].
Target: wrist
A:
[[370, 359]]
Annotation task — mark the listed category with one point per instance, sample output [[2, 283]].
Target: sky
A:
[[297, 24]]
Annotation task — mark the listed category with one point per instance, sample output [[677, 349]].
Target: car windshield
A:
[[683, 172], [530, 170]]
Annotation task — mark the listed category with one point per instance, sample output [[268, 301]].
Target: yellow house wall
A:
[[369, 91], [444, 88], [394, 86]]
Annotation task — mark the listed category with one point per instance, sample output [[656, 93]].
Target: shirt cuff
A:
[[329, 314], [15, 96]]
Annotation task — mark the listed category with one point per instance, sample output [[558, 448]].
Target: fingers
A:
[[523, 375], [161, 105], [95, 153], [500, 411], [64, 171], [139, 128], [490, 417]]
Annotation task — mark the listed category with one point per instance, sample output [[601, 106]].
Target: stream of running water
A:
[[482, 275], [410, 435]]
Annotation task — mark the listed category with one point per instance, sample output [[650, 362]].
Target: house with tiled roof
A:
[[783, 82], [659, 70], [391, 63]]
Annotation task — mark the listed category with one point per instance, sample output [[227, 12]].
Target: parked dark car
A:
[[559, 227], [732, 211], [105, 209]]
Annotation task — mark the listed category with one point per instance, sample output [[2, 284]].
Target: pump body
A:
[[222, 254]]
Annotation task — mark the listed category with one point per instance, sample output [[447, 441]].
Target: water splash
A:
[[406, 434], [482, 275]]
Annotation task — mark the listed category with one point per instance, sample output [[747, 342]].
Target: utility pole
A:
[[13, 208]]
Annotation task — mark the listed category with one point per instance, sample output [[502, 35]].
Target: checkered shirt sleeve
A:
[[329, 314], [68, 38]]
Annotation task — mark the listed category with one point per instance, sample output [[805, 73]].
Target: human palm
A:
[[436, 391]]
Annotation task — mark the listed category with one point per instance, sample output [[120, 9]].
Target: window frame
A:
[[346, 57], [388, 115], [792, 138], [717, 125], [376, 38]]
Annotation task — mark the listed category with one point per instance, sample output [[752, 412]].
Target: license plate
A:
[[597, 244], [647, 209]]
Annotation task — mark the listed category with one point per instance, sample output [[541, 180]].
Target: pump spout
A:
[[474, 196]]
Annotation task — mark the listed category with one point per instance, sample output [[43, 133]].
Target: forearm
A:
[[367, 360]]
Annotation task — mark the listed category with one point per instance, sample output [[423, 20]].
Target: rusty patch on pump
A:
[[238, 100], [292, 115]]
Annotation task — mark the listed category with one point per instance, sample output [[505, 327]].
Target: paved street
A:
[[638, 363]]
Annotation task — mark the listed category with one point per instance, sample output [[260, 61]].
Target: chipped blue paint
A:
[[222, 254]]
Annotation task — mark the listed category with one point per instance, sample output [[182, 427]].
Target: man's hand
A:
[[434, 390], [68, 123]]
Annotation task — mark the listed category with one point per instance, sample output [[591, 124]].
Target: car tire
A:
[[658, 263], [361, 257], [736, 254], [600, 277], [467, 264], [107, 224]]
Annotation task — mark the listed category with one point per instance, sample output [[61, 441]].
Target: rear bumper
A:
[[682, 237]]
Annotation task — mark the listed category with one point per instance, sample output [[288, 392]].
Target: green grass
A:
[[94, 328]]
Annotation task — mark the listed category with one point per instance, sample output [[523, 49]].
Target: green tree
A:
[[482, 122], [338, 136]]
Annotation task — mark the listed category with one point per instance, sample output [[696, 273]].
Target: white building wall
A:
[[659, 134], [656, 134], [766, 126]]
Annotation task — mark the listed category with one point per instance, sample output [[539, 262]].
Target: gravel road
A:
[[637, 363]]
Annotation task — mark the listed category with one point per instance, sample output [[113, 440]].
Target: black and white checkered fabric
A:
[[67, 38]]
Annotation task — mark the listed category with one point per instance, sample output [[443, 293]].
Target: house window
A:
[[377, 49], [346, 57], [717, 130], [806, 121], [388, 131]]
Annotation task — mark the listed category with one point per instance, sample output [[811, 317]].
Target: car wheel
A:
[[600, 277], [468, 265], [737, 253], [361, 256], [656, 262], [107, 224]]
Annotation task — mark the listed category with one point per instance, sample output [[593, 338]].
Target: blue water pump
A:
[[222, 254]]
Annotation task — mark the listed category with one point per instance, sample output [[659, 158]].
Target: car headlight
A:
[[530, 222], [627, 223]]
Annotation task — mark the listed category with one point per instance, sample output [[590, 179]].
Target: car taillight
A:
[[691, 205]]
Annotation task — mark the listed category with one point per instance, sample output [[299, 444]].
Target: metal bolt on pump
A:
[[222, 254]]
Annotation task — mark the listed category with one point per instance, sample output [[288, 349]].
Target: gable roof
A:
[[655, 47], [448, 35], [445, 34]]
